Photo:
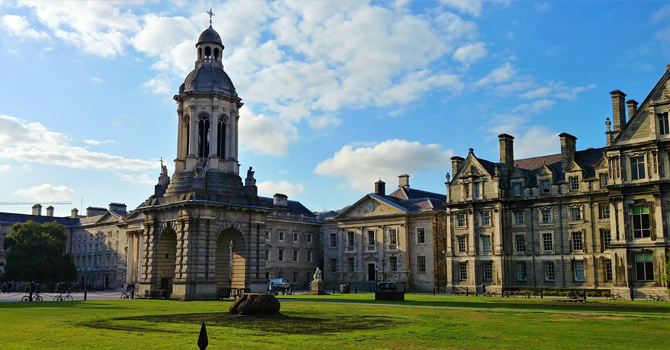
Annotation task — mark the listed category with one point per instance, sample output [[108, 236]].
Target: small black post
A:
[[541, 295], [356, 289], [202, 339], [467, 291], [85, 295], [584, 294], [433, 290]]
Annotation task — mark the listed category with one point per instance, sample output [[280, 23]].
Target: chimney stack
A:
[[37, 209], [632, 108], [618, 110], [380, 188], [506, 149], [280, 200], [456, 164], [50, 211], [403, 181], [74, 213], [568, 145], [118, 208]]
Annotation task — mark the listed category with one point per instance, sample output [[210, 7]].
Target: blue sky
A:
[[337, 93]]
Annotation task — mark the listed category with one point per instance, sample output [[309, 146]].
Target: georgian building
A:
[[386, 237], [595, 218]]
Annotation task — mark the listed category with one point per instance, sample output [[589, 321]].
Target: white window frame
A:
[[607, 239], [487, 268], [393, 236], [516, 217], [548, 219], [574, 183], [351, 264], [663, 123], [546, 241], [296, 255], [476, 190], [372, 238], [462, 244], [351, 237], [486, 244], [579, 271], [640, 172], [280, 257], [518, 189], [461, 221], [576, 213], [463, 271], [420, 235], [608, 271], [520, 241], [333, 265], [604, 179], [549, 271], [577, 244], [485, 214], [282, 235], [296, 237], [393, 262], [604, 211], [545, 189]]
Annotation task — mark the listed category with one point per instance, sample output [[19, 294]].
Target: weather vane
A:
[[210, 13]]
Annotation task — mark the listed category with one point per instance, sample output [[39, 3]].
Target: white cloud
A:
[[543, 7], [536, 141], [32, 142], [499, 75], [161, 84], [535, 107], [265, 135], [470, 53], [324, 121], [364, 165], [557, 90], [571, 93], [473, 7], [143, 179], [19, 26], [97, 80], [537, 93], [269, 188], [5, 167], [97, 143], [46, 191], [661, 14]]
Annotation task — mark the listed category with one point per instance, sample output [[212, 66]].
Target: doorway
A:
[[372, 272]]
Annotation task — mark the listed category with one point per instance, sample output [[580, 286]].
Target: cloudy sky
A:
[[337, 93]]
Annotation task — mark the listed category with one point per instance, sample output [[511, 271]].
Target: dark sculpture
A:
[[389, 286], [255, 304]]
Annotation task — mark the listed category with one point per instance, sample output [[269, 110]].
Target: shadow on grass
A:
[[275, 324]]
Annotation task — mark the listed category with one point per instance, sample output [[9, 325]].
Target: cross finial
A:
[[210, 13], [161, 162]]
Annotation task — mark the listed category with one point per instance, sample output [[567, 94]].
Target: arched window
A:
[[203, 137], [221, 137], [208, 52], [216, 53]]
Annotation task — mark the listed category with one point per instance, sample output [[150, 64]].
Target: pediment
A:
[[369, 206], [544, 171], [602, 163], [108, 218], [472, 168], [518, 174], [574, 167]]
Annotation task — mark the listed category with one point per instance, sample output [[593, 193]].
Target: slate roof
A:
[[413, 200], [208, 78], [587, 159], [210, 35], [12, 218], [293, 207]]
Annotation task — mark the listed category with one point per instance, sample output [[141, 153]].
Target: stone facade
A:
[[591, 219], [386, 237]]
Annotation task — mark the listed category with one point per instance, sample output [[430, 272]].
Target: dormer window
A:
[[603, 180], [518, 191], [663, 123], [574, 183], [637, 168], [544, 186], [476, 189], [467, 191]]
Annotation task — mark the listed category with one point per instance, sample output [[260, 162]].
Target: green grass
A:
[[345, 323]]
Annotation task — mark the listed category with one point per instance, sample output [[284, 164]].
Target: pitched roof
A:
[[293, 207], [12, 218]]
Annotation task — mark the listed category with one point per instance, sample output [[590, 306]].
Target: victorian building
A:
[[383, 237], [591, 219]]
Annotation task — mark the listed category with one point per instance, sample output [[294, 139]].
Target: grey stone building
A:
[[386, 237], [590, 219]]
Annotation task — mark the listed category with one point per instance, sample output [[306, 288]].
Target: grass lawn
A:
[[346, 323]]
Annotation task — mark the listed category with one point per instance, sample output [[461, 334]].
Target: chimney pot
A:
[[618, 110], [280, 200], [568, 145], [380, 188], [37, 209], [506, 149], [632, 108], [74, 213], [50, 211], [456, 165], [403, 181]]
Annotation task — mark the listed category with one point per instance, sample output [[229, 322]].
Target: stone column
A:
[[214, 131], [193, 131], [129, 258], [180, 136]]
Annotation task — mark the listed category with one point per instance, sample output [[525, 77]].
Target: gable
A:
[[370, 206], [472, 168], [574, 167], [544, 171]]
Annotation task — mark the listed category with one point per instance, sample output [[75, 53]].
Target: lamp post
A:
[[630, 281]]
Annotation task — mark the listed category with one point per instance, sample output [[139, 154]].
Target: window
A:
[[604, 212], [546, 216], [309, 256], [663, 123], [281, 255], [577, 244], [295, 255], [393, 261], [296, 236], [607, 239], [574, 183], [350, 264], [486, 244], [520, 243], [608, 270], [393, 237], [463, 271], [637, 168], [579, 271], [603, 180], [295, 277], [641, 226], [518, 218], [421, 235], [421, 264], [461, 220], [644, 267], [350, 238], [521, 271], [461, 244], [371, 237], [549, 272], [547, 242], [333, 265], [281, 236], [518, 191], [486, 218], [488, 270], [544, 185], [333, 240], [309, 238], [476, 189], [467, 190], [575, 214]]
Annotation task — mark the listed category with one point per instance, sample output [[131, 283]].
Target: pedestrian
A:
[[483, 288]]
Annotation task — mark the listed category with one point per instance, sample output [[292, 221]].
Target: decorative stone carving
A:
[[255, 304], [199, 170], [250, 180], [163, 179], [608, 123], [318, 275]]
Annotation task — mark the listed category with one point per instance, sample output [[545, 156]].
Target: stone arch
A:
[[166, 259], [221, 136], [231, 259], [208, 52], [216, 53]]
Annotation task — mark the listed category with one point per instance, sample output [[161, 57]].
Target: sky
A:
[[337, 94]]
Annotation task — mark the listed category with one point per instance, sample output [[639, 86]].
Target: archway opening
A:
[[231, 260], [221, 139], [203, 137], [166, 261], [208, 52], [216, 53]]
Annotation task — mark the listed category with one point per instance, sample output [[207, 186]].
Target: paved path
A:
[[562, 312]]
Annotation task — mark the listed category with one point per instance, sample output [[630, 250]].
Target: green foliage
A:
[[36, 252]]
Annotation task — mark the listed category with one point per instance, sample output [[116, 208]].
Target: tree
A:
[[36, 252]]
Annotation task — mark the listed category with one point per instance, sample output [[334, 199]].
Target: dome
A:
[[208, 78], [210, 35]]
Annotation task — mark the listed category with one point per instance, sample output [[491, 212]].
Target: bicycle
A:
[[60, 297], [36, 297], [127, 295], [655, 298], [616, 296]]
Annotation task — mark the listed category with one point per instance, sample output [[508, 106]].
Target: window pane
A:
[[640, 271], [649, 271]]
